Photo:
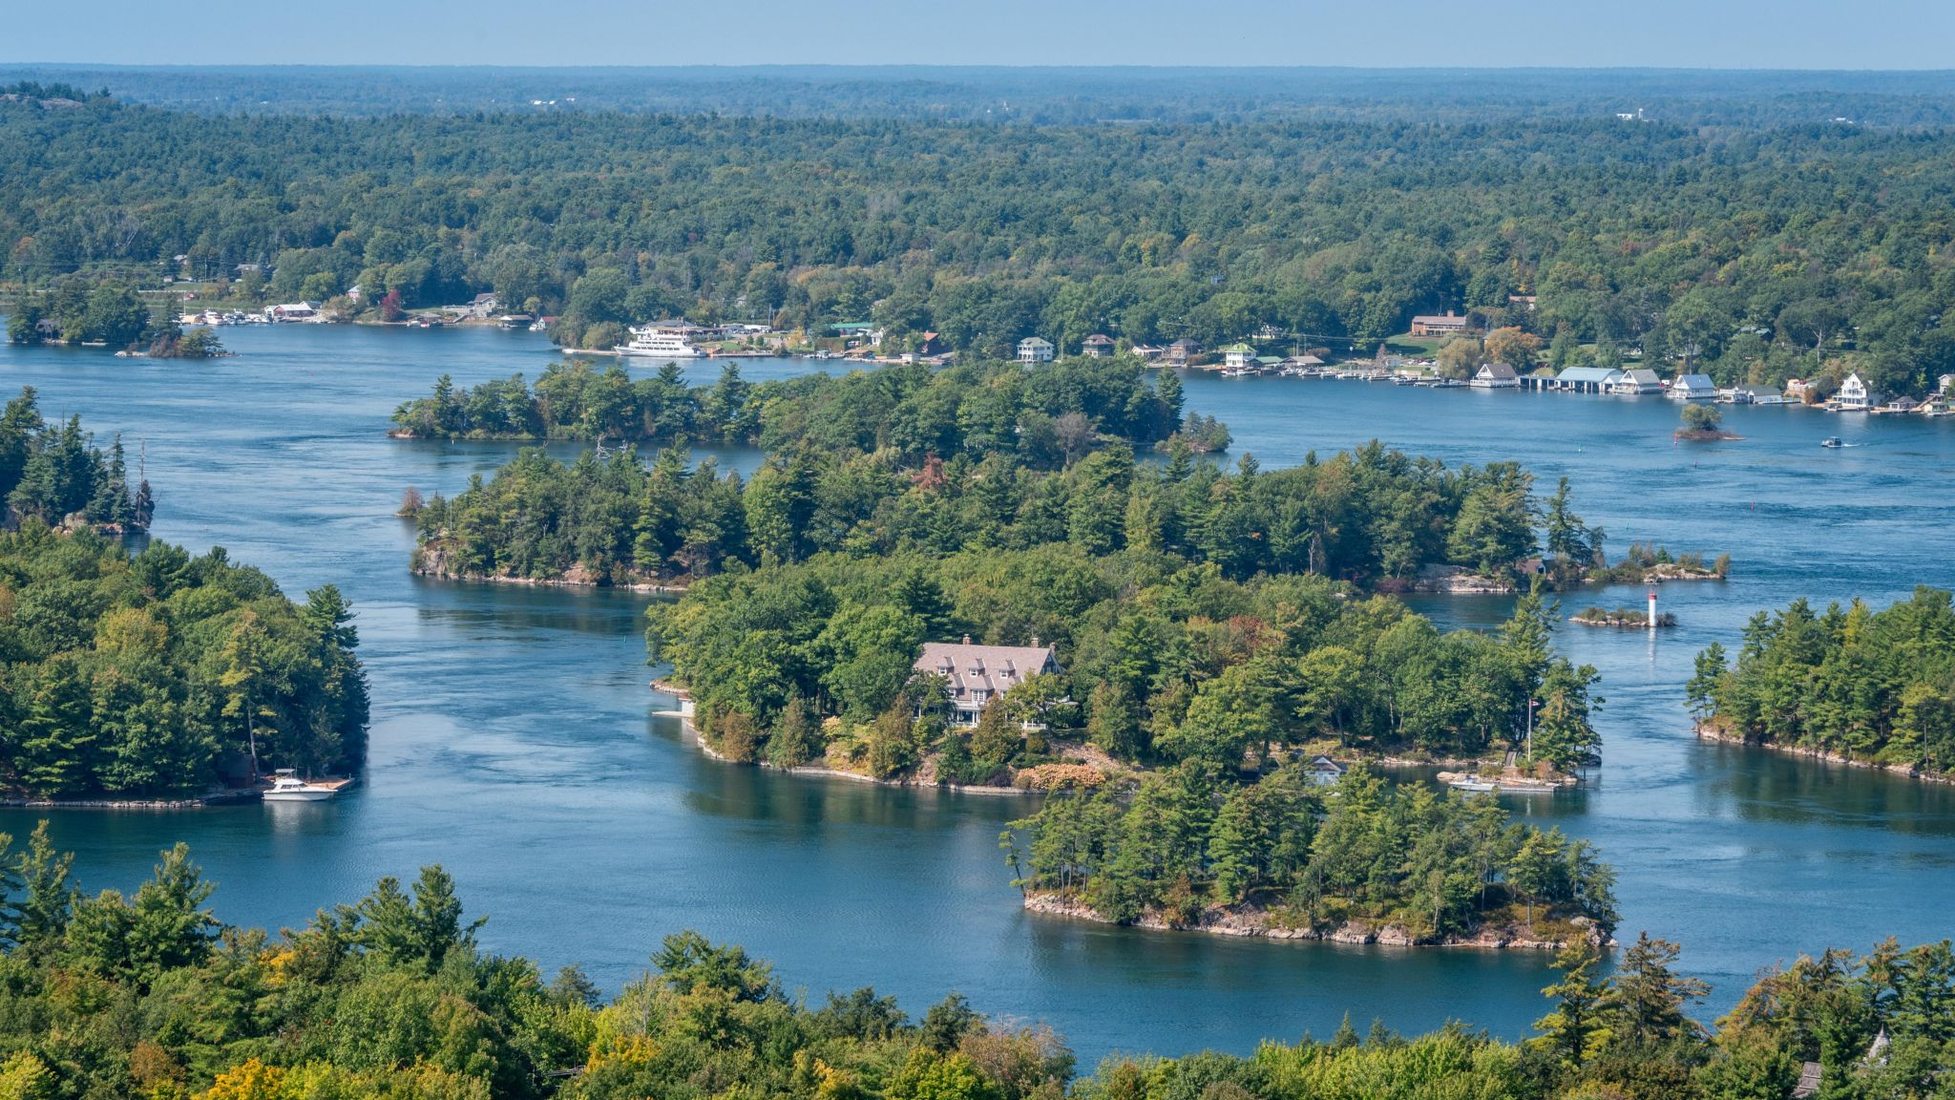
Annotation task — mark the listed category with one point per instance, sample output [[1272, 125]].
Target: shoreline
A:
[[693, 738], [1827, 756], [195, 802], [1253, 922], [648, 587]]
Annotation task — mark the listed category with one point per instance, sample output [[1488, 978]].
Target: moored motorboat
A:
[[288, 787]]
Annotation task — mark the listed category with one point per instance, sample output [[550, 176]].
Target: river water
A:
[[515, 741]]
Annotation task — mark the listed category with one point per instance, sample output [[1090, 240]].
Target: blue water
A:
[[515, 742]]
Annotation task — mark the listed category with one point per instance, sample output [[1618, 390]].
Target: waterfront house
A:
[[1183, 350], [1323, 771], [930, 344], [1801, 389], [1239, 357], [1693, 387], [1032, 349], [1149, 352], [1631, 383], [1586, 379], [1751, 395], [1495, 376], [1097, 346], [1944, 383], [1432, 324], [1855, 395], [978, 674], [293, 311]]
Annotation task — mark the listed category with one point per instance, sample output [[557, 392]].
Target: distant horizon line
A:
[[975, 66]]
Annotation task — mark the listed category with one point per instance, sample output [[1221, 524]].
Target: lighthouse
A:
[[1652, 607]]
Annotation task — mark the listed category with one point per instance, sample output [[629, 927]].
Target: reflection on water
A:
[[514, 739]]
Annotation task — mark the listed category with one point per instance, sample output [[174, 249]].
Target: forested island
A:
[[58, 476], [150, 995], [1159, 662], [1849, 683], [1283, 857], [1047, 415], [158, 674], [1770, 245]]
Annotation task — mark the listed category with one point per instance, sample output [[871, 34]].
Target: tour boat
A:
[[661, 341], [288, 787]]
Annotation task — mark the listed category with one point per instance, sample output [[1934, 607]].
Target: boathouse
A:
[[1633, 383], [1238, 357], [1495, 376], [1585, 379], [1693, 387], [978, 674]]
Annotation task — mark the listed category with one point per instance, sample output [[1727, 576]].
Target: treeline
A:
[[53, 473], [1372, 515], [159, 673], [1755, 252], [80, 310], [1871, 685], [1047, 414], [1160, 662], [1189, 844], [150, 995]]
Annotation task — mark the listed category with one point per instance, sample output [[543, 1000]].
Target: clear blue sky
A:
[[1810, 34]]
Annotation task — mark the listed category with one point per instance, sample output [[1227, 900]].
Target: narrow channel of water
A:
[[514, 739]]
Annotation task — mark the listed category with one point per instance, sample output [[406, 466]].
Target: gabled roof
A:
[[992, 668], [1034, 342], [1239, 348], [1496, 370], [1642, 376], [1695, 382], [1098, 339]]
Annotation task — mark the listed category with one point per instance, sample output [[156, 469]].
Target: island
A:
[[1848, 684], [165, 678]]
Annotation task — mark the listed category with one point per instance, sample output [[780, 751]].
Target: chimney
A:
[[1035, 641], [967, 639]]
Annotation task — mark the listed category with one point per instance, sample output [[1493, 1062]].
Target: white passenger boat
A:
[[660, 341]]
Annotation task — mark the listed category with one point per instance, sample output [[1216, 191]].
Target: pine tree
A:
[[1575, 1030]]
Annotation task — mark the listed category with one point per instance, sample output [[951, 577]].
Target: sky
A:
[[1796, 34]]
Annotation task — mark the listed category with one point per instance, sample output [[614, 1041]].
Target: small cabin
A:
[[1323, 771]]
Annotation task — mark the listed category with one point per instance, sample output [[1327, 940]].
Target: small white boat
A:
[[1832, 442], [1473, 783], [288, 787]]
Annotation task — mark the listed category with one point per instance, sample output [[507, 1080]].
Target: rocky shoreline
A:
[[1257, 922], [1711, 733], [576, 578], [215, 798]]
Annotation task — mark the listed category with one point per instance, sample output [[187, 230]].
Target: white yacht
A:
[[288, 787], [661, 341]]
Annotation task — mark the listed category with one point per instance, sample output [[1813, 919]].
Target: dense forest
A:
[[54, 473], [156, 673], [909, 459], [150, 995], [1755, 249], [1047, 415], [1869, 685], [1188, 845], [1160, 662]]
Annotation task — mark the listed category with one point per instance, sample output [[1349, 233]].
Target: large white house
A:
[[1032, 349], [978, 674], [1855, 395], [1238, 357]]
